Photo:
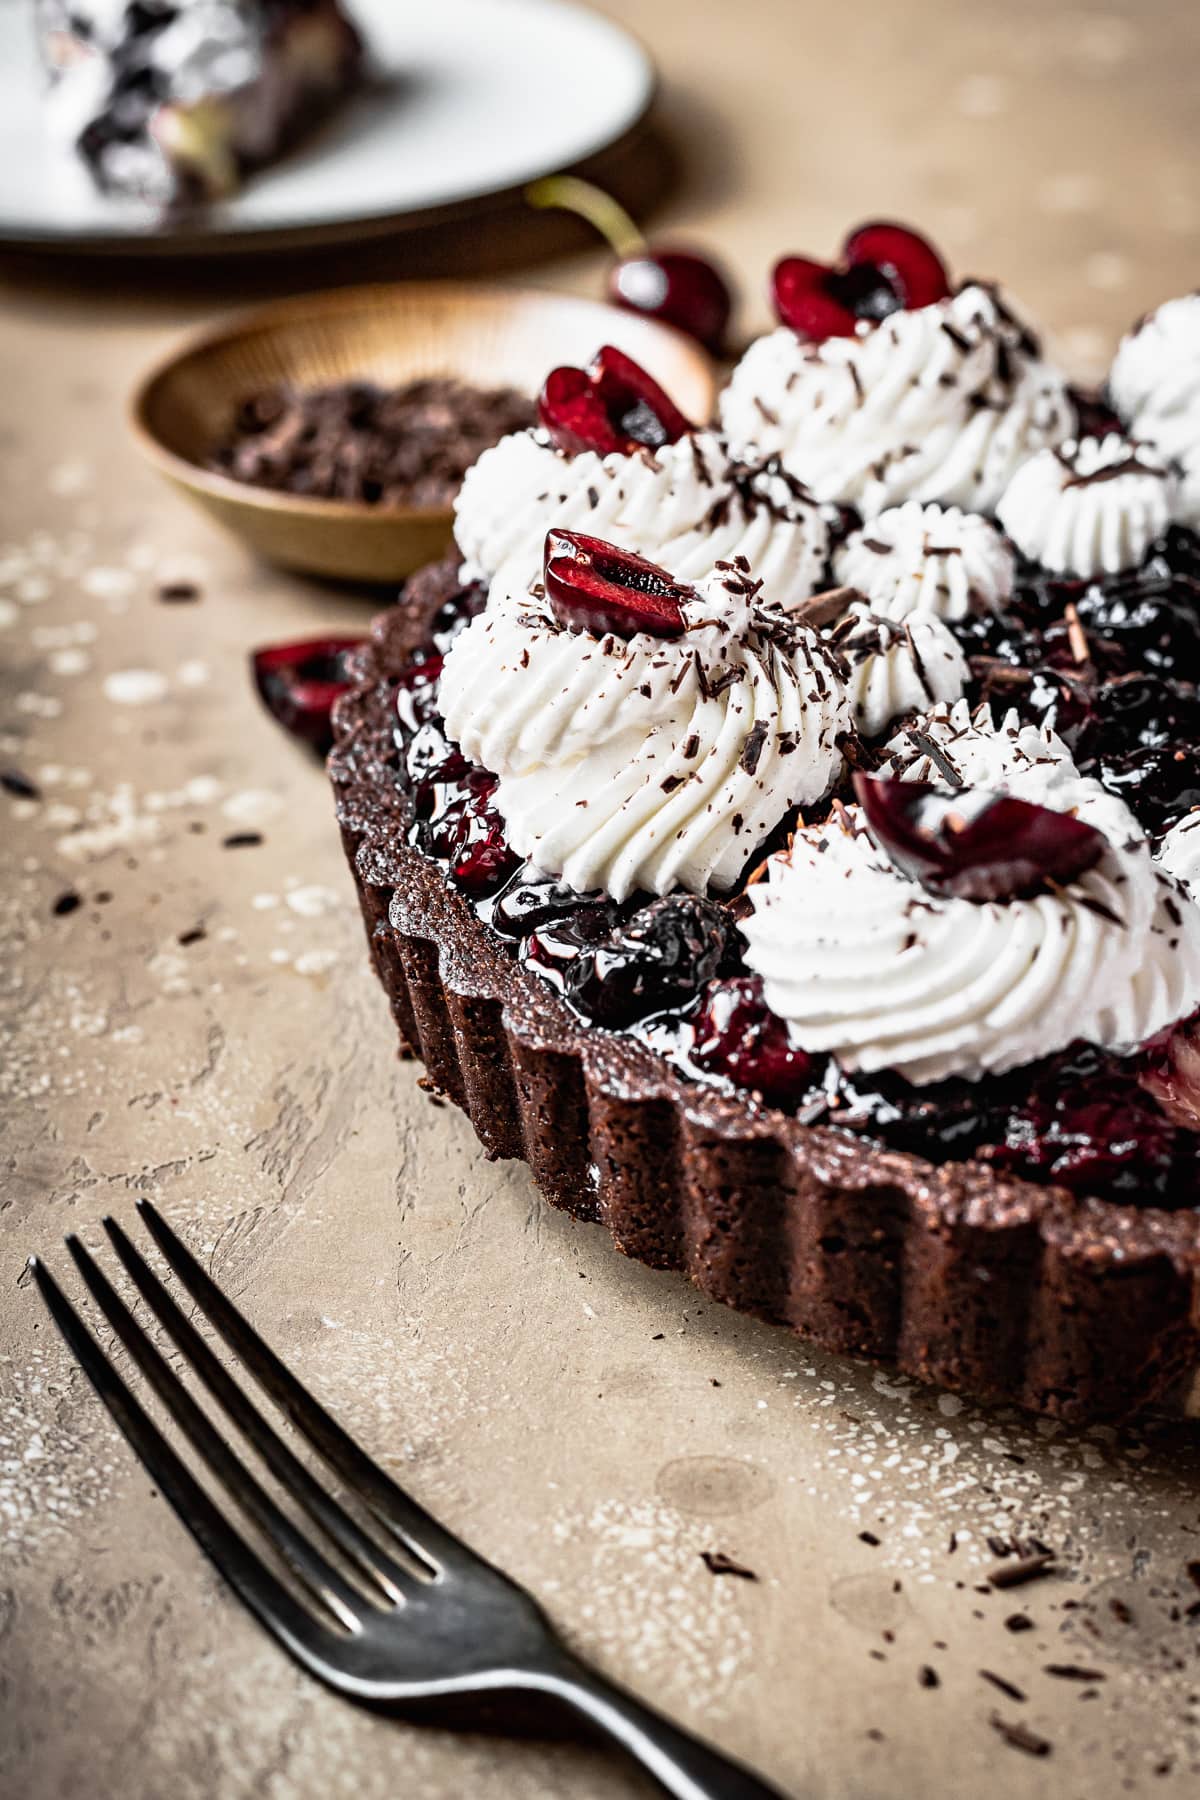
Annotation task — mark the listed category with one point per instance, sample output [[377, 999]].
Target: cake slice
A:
[[175, 101]]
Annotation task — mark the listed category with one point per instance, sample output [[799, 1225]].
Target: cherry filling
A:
[[884, 268], [737, 1035], [1110, 665], [612, 405], [298, 684], [975, 845], [619, 970], [668, 973], [594, 586]]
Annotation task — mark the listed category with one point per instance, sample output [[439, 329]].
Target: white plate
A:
[[476, 97]]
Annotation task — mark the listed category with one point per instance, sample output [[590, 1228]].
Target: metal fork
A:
[[424, 1625]]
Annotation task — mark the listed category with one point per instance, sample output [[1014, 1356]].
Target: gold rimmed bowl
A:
[[488, 336]]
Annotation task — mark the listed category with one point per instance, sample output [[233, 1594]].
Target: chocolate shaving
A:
[[17, 783], [1007, 1688], [717, 1563], [822, 609], [1020, 1736], [1021, 1569], [752, 749]]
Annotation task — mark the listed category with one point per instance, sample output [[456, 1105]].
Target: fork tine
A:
[[323, 1580], [246, 1573], [420, 1533], [365, 1553]]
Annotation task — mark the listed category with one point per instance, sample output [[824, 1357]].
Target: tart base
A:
[[1081, 1309]]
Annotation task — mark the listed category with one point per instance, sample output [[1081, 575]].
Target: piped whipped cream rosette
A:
[[1154, 384], [613, 457], [688, 506], [940, 403], [1179, 853], [895, 667], [1090, 508], [646, 734], [928, 559], [885, 972]]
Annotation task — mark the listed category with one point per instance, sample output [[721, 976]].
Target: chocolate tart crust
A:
[[1083, 1309]]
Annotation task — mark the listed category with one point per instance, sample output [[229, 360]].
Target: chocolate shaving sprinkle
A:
[[822, 609], [15, 782], [868, 1537], [1076, 635], [927, 1677], [66, 903], [178, 592], [1021, 1569], [242, 840], [1007, 1688], [1018, 1622], [921, 741], [1020, 1736], [717, 1563], [1073, 1672], [752, 749]]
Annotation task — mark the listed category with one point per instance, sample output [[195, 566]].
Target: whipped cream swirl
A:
[[865, 963], [1179, 853], [688, 506], [1089, 508], [1154, 384], [646, 763], [928, 559], [941, 403], [897, 667]]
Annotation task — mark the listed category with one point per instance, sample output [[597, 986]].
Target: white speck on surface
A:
[[1107, 269], [69, 662], [315, 962], [192, 674], [108, 583], [252, 806], [1072, 191], [982, 96], [66, 479], [311, 901], [135, 687]]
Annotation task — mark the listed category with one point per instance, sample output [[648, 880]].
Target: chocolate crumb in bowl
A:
[[401, 446]]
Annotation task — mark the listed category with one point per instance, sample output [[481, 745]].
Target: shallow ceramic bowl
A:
[[490, 336]]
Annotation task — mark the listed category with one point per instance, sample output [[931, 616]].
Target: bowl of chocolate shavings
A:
[[332, 431]]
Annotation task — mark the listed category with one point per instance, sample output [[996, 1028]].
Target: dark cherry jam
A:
[[1109, 665]]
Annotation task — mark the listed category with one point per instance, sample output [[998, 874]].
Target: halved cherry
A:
[[594, 586], [975, 844], [884, 268], [298, 684], [611, 405]]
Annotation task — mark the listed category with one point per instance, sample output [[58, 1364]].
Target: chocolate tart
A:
[[954, 1273]]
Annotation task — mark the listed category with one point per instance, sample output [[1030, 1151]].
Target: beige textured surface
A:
[[592, 1426]]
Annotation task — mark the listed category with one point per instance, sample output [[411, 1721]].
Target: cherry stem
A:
[[608, 216]]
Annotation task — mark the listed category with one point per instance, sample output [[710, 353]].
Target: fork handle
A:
[[682, 1765]]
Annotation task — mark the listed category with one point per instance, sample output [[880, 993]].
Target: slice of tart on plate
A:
[[175, 101], [783, 835]]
